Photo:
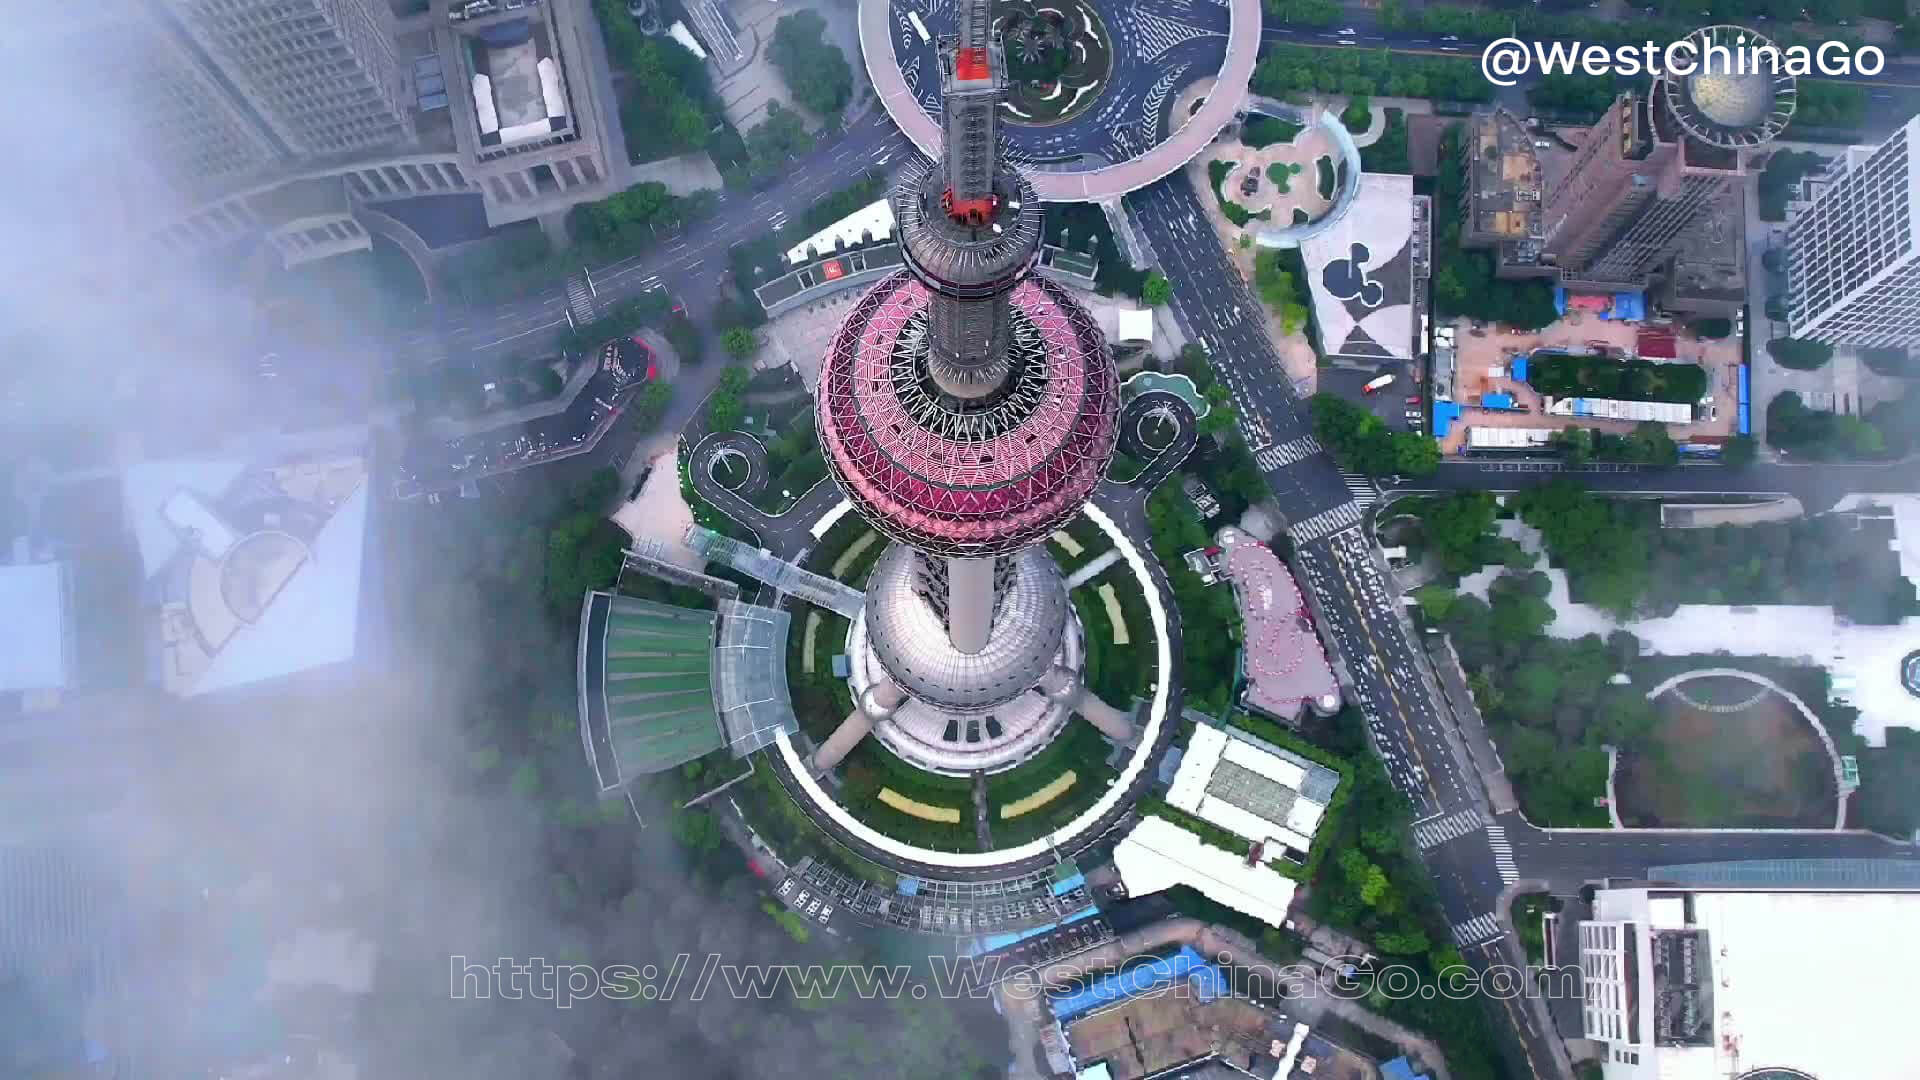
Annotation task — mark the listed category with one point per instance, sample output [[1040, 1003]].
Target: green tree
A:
[[1799, 354], [1435, 600], [739, 342], [1156, 290], [813, 68], [1220, 417], [724, 408], [1415, 454], [1455, 526], [1739, 451], [776, 138]]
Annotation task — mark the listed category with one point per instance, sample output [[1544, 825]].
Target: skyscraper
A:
[[968, 408], [181, 118], [1853, 271], [1651, 195], [322, 73]]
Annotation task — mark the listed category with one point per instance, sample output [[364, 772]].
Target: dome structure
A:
[[1738, 94], [910, 637], [970, 477]]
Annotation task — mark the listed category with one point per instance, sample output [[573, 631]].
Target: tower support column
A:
[[969, 603]]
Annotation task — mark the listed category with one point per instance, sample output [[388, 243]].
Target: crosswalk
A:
[[1435, 831], [1480, 928], [580, 300], [1327, 522], [1361, 487], [1503, 854], [777, 220], [1284, 454]]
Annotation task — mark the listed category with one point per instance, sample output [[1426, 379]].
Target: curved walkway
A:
[[1088, 185], [1289, 236], [1812, 719], [1077, 834], [1159, 465], [718, 443]]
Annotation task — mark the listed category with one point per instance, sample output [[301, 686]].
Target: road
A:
[[1348, 591], [1817, 487], [690, 266]]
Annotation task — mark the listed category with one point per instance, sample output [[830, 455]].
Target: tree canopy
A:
[[1799, 353], [814, 68], [1360, 441], [667, 96], [1156, 290]]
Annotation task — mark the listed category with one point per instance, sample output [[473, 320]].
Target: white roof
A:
[[483, 105], [145, 489], [876, 218], [1158, 855], [314, 621], [1666, 412], [1760, 945], [1136, 324], [1509, 437], [1208, 747], [1381, 222], [33, 646], [679, 32], [1667, 913], [553, 92]]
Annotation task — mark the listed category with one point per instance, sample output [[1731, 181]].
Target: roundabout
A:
[[1059, 55], [734, 460], [1089, 104]]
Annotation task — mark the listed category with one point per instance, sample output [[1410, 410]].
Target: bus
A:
[[1377, 384], [919, 27]]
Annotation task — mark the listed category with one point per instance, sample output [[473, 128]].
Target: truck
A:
[[1378, 383]]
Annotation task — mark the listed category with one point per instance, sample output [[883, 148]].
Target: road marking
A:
[[1477, 930], [1434, 832], [1503, 854]]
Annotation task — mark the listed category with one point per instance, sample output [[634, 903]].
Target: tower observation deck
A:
[[968, 408]]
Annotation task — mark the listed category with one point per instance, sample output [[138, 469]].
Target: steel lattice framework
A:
[[968, 478]]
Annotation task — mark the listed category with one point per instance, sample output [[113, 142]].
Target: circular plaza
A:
[[1729, 749], [1091, 88]]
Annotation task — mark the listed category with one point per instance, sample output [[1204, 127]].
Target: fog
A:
[[281, 873]]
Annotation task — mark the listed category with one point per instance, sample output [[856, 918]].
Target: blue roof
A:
[[1399, 1069], [1069, 883], [1142, 978], [1519, 368], [1444, 414], [1497, 401]]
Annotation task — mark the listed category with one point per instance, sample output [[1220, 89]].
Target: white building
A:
[[1853, 266], [1253, 790], [1259, 792], [1724, 981]]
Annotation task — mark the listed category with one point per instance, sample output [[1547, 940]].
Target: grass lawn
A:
[[1759, 767]]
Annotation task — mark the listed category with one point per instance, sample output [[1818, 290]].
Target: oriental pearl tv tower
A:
[[967, 407]]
